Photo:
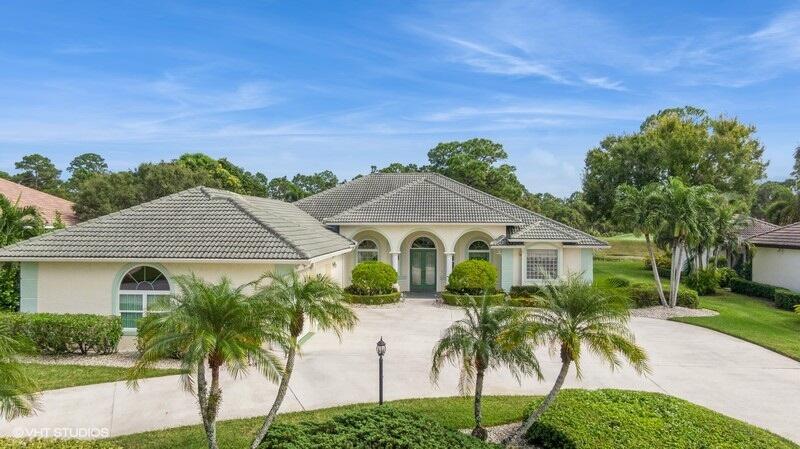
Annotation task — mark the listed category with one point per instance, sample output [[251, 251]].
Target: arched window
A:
[[367, 250], [423, 242], [478, 250], [139, 292]]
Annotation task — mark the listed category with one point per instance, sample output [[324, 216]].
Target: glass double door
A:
[[423, 270]]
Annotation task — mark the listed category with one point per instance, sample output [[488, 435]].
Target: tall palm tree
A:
[[486, 338], [636, 209], [296, 300], [18, 395], [574, 314], [785, 209], [688, 213], [18, 222], [216, 326]]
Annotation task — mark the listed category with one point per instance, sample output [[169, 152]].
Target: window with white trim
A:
[[367, 250], [542, 264], [478, 250], [140, 291]]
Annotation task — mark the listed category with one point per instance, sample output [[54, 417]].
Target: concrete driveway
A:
[[723, 373]]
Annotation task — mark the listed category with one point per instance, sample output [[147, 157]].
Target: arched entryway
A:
[[422, 265]]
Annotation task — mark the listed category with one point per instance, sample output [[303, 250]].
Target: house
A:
[[751, 227], [776, 257], [420, 223], [49, 206]]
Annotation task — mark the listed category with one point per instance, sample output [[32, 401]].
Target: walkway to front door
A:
[[423, 265]]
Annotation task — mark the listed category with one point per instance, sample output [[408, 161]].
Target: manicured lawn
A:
[[752, 319], [453, 413], [632, 270], [626, 245], [51, 377]]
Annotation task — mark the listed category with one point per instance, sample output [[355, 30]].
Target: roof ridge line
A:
[[246, 209], [426, 178], [773, 230], [336, 187], [377, 198]]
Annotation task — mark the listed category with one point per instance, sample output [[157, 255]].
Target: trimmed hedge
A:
[[786, 299], [370, 428], [373, 278], [372, 299], [725, 275], [454, 299], [750, 288], [54, 333], [472, 277], [47, 443], [704, 282], [646, 295], [525, 291], [616, 419]]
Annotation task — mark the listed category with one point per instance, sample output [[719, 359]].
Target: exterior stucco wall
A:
[[572, 261], [777, 266]]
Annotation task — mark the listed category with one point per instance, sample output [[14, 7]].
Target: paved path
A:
[[705, 367]]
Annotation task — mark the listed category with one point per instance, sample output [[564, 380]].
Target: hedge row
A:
[[373, 299], [54, 333], [750, 288], [454, 299], [785, 299], [646, 295]]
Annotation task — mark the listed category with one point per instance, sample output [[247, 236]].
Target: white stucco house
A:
[[420, 223], [776, 257]]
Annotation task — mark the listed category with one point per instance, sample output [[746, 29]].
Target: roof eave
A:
[[401, 223], [777, 245]]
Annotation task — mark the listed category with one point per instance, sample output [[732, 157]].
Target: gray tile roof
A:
[[781, 237], [754, 226], [339, 201], [542, 231], [198, 223]]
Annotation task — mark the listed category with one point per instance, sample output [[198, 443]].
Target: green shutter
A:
[[28, 286]]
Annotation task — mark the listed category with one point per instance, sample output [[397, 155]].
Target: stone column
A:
[[396, 261], [448, 264]]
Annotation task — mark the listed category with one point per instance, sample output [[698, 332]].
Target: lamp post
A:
[[380, 348]]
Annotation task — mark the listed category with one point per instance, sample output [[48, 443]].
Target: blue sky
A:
[[282, 87]]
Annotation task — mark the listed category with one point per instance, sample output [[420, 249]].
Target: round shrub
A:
[[704, 282], [725, 275], [373, 278], [472, 277]]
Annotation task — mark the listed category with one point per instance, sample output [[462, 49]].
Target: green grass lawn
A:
[[52, 377], [631, 269], [625, 245]]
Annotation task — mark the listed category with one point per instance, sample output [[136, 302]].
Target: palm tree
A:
[[18, 222], [688, 213], [18, 395], [215, 326], [574, 314], [295, 300], [487, 338], [785, 209], [636, 209]]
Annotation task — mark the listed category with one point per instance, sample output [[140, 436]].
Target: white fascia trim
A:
[[329, 255], [542, 240], [417, 223]]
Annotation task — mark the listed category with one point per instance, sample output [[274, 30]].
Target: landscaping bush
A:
[[704, 282], [174, 352], [371, 299], [646, 295], [618, 282], [786, 299], [472, 277], [373, 278], [54, 333], [525, 291], [454, 299], [47, 443], [750, 288], [663, 264], [618, 419], [369, 428], [725, 275]]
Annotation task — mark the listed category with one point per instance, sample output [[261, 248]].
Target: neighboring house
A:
[[49, 206], [421, 223], [752, 227], [776, 257]]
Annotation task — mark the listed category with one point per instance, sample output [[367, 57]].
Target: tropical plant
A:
[[575, 314], [218, 326], [486, 338], [18, 222], [296, 300], [17, 391], [785, 209], [636, 209]]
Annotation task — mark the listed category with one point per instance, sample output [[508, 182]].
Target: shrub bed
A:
[[750, 288], [663, 264], [726, 275], [614, 419], [704, 282], [645, 295], [372, 299], [44, 443], [786, 299], [524, 291], [533, 301], [373, 427], [54, 333], [454, 299], [373, 278], [472, 277]]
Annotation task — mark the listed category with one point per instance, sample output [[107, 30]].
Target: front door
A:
[[423, 265]]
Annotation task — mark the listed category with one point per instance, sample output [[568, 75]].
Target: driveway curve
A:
[[720, 372]]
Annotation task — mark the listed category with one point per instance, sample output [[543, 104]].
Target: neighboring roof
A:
[[781, 237], [345, 201], [49, 206], [199, 223], [541, 231], [755, 227]]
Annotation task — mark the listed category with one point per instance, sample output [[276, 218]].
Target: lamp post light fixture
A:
[[380, 348]]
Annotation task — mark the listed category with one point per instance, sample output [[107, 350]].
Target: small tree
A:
[[217, 326], [575, 314], [487, 338], [317, 300], [18, 395]]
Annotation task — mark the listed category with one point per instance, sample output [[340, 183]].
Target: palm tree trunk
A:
[[205, 401], [675, 276], [479, 432], [276, 404], [678, 269], [517, 436], [656, 276]]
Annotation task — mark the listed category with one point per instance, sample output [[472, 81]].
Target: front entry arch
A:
[[422, 265]]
